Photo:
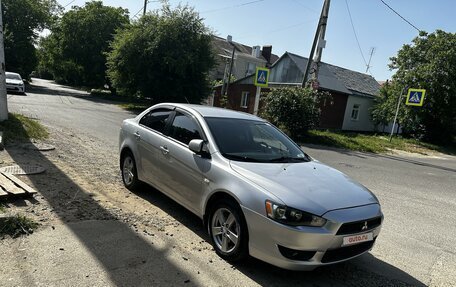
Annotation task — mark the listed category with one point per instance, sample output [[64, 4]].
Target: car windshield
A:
[[253, 141], [13, 77]]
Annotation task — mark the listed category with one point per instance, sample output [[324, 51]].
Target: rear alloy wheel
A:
[[129, 172], [228, 231]]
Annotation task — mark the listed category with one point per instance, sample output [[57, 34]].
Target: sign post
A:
[[3, 95], [261, 80], [415, 97]]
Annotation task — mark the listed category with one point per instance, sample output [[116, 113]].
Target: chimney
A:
[[266, 53], [256, 51], [229, 38]]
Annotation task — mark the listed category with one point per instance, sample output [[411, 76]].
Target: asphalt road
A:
[[418, 193]]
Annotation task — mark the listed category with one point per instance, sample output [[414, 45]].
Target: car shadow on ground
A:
[[351, 273], [128, 259]]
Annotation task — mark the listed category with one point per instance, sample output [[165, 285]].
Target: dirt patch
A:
[[82, 182]]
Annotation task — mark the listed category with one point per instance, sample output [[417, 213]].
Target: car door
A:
[[150, 135], [182, 169]]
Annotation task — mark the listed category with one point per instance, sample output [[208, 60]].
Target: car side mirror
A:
[[196, 146], [199, 147]]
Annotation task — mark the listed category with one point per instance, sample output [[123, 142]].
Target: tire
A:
[[129, 171], [225, 222]]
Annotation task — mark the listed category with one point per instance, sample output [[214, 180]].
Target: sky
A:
[[290, 25]]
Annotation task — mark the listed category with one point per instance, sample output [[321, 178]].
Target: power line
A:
[[69, 3], [230, 7], [305, 6], [139, 11], [354, 32], [400, 16], [279, 29]]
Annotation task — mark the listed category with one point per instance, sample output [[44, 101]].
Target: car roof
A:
[[214, 112]]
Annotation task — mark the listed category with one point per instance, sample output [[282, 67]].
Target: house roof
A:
[[227, 48], [340, 79]]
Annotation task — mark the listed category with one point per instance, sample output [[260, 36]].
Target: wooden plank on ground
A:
[[9, 186], [20, 183]]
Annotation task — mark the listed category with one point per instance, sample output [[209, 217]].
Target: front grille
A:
[[346, 252], [296, 254], [357, 227]]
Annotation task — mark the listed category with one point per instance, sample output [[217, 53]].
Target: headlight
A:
[[291, 216]]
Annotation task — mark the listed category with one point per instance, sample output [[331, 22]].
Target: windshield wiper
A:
[[240, 157], [288, 159]]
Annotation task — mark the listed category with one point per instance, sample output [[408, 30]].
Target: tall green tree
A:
[[164, 56], [428, 63], [22, 21], [75, 52]]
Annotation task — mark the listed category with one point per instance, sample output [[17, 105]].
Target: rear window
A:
[[156, 119]]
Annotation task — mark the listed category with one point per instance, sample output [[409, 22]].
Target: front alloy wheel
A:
[[228, 232], [129, 173]]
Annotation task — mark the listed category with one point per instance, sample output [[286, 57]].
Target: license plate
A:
[[355, 239]]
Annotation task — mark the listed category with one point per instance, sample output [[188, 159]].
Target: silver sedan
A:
[[256, 191]]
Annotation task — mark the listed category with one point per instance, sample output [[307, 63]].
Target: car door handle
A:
[[164, 149], [137, 135]]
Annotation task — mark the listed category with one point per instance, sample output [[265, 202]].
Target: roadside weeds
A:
[[375, 143]]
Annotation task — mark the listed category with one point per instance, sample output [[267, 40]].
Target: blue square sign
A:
[[415, 97], [262, 77]]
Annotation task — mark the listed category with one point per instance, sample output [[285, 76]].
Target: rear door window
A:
[[156, 119]]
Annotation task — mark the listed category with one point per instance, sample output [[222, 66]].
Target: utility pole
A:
[[372, 50], [230, 70], [320, 39], [3, 97], [145, 7]]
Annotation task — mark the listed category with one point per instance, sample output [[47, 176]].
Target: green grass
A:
[[21, 128], [134, 107], [16, 225], [2, 209], [131, 104], [373, 142]]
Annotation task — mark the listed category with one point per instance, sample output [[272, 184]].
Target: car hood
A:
[[309, 186], [15, 82]]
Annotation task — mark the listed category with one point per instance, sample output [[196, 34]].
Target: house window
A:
[[245, 99], [355, 112], [250, 69]]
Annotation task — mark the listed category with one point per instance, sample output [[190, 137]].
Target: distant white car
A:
[[14, 83]]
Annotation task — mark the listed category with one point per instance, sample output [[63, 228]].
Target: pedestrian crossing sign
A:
[[261, 77], [415, 97]]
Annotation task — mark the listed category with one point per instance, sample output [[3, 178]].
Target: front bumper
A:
[[15, 88], [268, 239]]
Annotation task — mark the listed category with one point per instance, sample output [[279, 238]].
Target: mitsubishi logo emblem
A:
[[364, 226]]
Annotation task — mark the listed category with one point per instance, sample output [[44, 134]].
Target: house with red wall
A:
[[353, 93]]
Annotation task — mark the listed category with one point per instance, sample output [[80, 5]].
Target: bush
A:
[[294, 110]]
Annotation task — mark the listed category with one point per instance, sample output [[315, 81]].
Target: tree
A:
[[75, 52], [384, 107], [164, 56], [428, 63], [295, 110], [23, 20]]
